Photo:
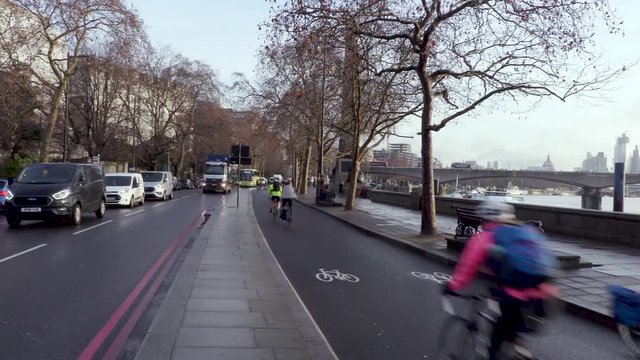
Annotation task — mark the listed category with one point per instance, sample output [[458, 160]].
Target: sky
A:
[[225, 35]]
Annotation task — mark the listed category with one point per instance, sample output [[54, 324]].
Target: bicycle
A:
[[275, 208], [626, 312], [287, 209], [470, 334]]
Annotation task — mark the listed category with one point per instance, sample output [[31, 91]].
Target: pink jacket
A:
[[474, 256]]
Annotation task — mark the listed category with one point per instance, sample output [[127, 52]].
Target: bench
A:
[[468, 222]]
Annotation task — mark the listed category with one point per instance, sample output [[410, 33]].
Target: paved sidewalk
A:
[[231, 300], [582, 290]]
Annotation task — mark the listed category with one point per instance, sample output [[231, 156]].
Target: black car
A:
[[49, 191]]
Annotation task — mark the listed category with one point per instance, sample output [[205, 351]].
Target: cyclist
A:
[[479, 252], [288, 194], [275, 193]]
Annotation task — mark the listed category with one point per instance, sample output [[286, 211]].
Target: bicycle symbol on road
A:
[[329, 275], [438, 277]]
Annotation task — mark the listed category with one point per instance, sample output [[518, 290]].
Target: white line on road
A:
[[156, 205], [22, 253], [92, 227], [133, 213]]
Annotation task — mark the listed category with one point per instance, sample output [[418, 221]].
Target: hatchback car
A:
[[48, 191]]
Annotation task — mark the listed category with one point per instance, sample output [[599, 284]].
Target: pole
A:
[[321, 135], [238, 175], [66, 122]]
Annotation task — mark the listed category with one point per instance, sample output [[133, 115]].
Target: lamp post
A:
[[66, 120]]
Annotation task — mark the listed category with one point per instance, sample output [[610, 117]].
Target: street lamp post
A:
[[66, 122]]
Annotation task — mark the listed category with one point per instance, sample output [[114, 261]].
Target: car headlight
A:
[[9, 195], [61, 194]]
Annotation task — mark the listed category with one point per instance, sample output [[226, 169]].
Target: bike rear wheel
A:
[[456, 340], [631, 338]]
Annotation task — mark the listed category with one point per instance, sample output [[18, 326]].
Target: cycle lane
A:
[[390, 313]]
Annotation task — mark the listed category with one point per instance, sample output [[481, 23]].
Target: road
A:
[[390, 313], [63, 288]]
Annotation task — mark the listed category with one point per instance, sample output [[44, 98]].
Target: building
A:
[[397, 155], [493, 165], [596, 164], [620, 150], [546, 166], [405, 148], [634, 162]]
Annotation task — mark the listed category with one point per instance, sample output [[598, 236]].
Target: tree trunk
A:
[[350, 204], [304, 174], [52, 119], [319, 165], [428, 220], [180, 163]]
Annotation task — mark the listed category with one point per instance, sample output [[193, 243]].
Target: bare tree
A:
[[370, 103], [61, 29], [18, 105], [472, 53]]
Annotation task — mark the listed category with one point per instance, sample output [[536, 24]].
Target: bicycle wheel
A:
[[631, 338], [350, 278], [324, 277], [456, 340]]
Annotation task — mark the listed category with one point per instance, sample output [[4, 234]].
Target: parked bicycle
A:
[[626, 311], [468, 336]]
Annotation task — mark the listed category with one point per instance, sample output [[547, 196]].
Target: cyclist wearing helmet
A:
[[476, 255], [288, 194]]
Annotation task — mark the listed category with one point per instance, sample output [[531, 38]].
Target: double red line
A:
[[170, 255]]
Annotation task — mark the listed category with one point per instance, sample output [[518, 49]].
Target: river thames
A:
[[631, 205]]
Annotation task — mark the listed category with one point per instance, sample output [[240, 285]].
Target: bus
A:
[[249, 178]]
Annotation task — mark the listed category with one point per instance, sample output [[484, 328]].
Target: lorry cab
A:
[[216, 177]]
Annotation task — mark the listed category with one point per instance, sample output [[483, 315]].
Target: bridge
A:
[[591, 183]]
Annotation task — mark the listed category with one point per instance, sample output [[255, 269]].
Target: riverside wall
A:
[[610, 227]]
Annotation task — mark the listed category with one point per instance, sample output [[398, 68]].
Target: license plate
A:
[[31, 209], [111, 197]]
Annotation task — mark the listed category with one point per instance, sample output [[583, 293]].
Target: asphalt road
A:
[[56, 297], [390, 313]]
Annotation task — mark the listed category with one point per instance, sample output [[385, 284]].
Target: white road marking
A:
[[22, 253], [92, 227], [133, 213], [156, 205]]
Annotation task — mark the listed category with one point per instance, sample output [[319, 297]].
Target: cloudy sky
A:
[[225, 35]]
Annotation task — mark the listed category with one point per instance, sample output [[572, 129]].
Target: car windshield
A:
[[117, 180], [151, 176], [246, 175], [47, 174], [3, 184], [214, 169]]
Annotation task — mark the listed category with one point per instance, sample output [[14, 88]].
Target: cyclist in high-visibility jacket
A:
[[275, 193]]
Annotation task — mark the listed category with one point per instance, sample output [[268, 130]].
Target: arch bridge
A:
[[590, 183]]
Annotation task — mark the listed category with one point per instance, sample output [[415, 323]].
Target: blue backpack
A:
[[520, 258]]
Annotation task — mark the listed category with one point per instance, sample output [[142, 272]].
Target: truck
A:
[[216, 177]]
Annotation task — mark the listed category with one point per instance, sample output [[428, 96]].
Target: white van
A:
[[125, 189], [158, 184]]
